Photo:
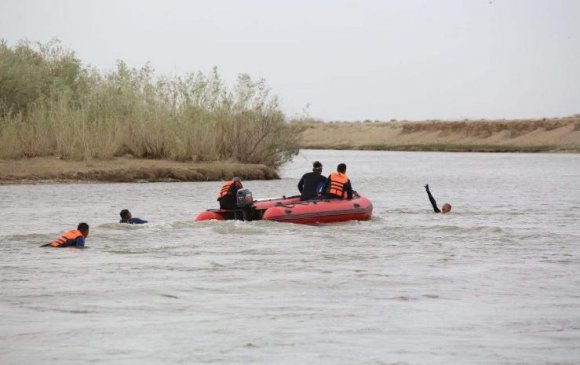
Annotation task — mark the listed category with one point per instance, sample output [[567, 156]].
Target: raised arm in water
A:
[[432, 200]]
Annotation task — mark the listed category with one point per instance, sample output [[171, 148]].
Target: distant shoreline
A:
[[543, 135], [54, 170], [539, 135]]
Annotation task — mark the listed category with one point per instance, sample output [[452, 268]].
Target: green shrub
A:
[[51, 105]]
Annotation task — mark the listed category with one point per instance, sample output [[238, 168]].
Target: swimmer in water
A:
[[445, 208], [127, 217], [72, 238]]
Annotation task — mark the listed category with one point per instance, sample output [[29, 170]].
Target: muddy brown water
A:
[[495, 282]]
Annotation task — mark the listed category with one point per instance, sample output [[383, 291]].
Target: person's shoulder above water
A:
[[72, 238], [127, 217]]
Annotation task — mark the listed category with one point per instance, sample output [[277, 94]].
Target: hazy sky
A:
[[349, 60]]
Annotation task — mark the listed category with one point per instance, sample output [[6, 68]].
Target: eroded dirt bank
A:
[[52, 169]]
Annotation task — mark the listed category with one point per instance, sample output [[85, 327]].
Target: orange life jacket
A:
[[226, 189], [337, 183], [68, 237]]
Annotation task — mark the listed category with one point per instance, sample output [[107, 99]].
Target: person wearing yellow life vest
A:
[[72, 238], [338, 184], [228, 194]]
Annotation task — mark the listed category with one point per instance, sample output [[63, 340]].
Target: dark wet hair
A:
[[124, 213], [316, 166], [83, 227], [341, 168]]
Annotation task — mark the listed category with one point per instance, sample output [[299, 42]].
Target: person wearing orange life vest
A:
[[228, 194], [338, 184], [72, 238]]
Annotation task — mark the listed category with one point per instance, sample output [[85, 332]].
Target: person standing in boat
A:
[[338, 184], [311, 183], [228, 194], [445, 208]]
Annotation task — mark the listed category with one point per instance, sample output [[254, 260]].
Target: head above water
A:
[[317, 166], [445, 208], [84, 228], [341, 168], [125, 214]]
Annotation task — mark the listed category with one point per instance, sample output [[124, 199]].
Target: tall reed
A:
[[50, 105]]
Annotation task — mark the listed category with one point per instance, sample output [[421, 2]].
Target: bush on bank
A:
[[52, 105]]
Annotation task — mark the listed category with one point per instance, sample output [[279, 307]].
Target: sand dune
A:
[[542, 135]]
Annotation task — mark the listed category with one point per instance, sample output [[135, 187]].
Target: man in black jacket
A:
[[311, 182]]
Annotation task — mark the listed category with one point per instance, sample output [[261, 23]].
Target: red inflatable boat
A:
[[321, 211], [293, 210], [253, 212]]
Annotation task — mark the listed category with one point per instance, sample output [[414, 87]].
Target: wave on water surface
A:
[[32, 238]]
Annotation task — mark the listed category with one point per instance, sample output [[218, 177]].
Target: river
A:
[[494, 282]]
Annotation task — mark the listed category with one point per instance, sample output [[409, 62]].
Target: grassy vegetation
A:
[[449, 147], [533, 135], [53, 105], [484, 129]]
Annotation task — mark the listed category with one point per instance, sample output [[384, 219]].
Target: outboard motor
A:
[[245, 198]]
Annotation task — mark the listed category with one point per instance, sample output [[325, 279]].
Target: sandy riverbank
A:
[[51, 169], [543, 135]]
